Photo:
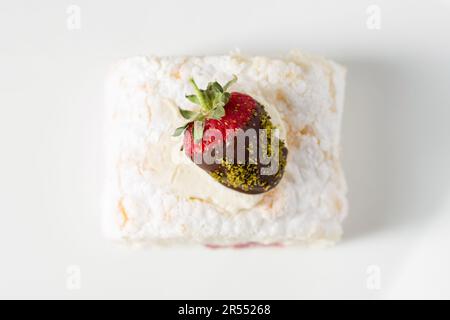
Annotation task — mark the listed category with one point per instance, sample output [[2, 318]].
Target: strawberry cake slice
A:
[[225, 151]]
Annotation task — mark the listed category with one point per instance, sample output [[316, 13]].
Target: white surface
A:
[[396, 142]]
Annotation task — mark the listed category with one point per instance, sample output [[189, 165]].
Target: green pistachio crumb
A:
[[247, 176]]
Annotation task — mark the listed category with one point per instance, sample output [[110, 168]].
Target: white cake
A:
[[154, 194]]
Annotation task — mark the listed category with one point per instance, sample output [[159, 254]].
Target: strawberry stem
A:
[[199, 94], [230, 83], [212, 103]]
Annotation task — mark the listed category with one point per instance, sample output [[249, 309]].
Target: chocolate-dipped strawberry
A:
[[232, 138]]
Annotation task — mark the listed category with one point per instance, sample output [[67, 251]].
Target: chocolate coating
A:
[[246, 176]]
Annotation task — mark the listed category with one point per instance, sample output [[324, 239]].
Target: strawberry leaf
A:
[[193, 98], [217, 113], [200, 96], [188, 115], [208, 99], [230, 83], [215, 87], [221, 100], [200, 117], [179, 131], [198, 131]]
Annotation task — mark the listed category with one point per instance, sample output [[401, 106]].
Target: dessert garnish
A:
[[232, 137]]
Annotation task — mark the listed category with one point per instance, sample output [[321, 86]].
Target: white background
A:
[[396, 138]]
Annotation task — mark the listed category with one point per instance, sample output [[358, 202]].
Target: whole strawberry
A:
[[231, 137]]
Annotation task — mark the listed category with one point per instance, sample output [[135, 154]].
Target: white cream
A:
[[186, 180]]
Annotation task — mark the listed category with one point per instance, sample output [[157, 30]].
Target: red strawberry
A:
[[227, 115], [238, 112]]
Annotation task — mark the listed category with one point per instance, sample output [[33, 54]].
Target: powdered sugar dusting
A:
[[153, 195]]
